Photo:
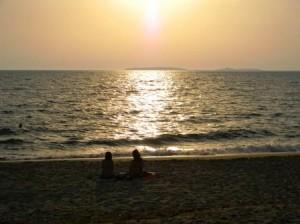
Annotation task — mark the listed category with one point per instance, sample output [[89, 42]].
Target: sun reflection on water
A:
[[148, 101]]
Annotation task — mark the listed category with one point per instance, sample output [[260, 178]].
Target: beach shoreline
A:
[[256, 189], [171, 157]]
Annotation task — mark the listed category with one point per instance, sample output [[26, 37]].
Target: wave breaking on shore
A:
[[150, 151]]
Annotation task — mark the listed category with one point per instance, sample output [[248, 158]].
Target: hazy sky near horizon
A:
[[114, 34]]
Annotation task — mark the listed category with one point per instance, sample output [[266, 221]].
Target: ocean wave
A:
[[167, 151], [229, 150], [7, 112], [12, 141], [240, 150], [277, 114], [6, 131], [200, 120], [249, 115], [176, 138]]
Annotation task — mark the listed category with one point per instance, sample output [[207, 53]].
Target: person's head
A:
[[108, 156], [136, 154]]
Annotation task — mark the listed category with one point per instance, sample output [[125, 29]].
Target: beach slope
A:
[[236, 190]]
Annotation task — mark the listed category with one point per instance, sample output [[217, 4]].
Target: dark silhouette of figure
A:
[[136, 165], [20, 125], [107, 166]]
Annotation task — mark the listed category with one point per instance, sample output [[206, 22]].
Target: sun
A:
[[152, 19], [150, 9], [154, 13]]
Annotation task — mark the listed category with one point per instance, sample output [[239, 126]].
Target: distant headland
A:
[[239, 70], [157, 68], [209, 70]]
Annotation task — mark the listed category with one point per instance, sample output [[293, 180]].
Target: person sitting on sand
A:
[[136, 165], [107, 166]]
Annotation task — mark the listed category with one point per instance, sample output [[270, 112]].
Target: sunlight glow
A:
[[116, 34]]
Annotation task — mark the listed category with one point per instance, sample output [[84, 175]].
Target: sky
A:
[[117, 34]]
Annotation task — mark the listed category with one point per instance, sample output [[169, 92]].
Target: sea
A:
[[83, 114]]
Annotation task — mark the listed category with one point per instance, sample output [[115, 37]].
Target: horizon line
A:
[[154, 69]]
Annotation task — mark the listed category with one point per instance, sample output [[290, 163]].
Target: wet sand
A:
[[192, 190]]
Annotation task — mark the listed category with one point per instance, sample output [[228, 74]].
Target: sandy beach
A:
[[191, 190]]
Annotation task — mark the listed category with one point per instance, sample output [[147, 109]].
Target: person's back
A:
[[107, 166], [136, 166]]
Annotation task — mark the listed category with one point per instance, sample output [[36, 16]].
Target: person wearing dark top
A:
[[107, 166], [136, 168]]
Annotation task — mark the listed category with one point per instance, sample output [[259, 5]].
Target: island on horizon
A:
[[240, 70], [157, 68], [227, 69]]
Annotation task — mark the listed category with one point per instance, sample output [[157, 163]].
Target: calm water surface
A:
[[83, 114]]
